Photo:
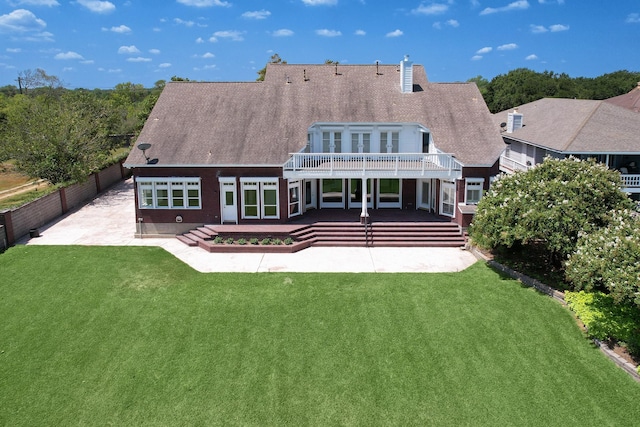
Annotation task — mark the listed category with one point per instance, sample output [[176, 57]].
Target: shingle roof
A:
[[577, 126], [260, 123], [630, 101]]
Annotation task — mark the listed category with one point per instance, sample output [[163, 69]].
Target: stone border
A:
[[558, 296]]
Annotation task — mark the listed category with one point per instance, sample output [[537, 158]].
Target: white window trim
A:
[[300, 202], [475, 182], [451, 185], [169, 184], [260, 184]]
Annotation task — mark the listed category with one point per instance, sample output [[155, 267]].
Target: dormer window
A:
[[331, 142], [389, 142]]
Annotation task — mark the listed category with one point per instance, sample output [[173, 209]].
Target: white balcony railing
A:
[[631, 182], [510, 165], [372, 165]]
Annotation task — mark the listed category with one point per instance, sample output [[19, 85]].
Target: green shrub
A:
[[254, 241], [288, 241], [276, 242], [265, 241], [229, 241], [605, 319], [242, 241], [218, 239]]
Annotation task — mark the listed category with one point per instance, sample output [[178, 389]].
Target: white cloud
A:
[[199, 40], [183, 22], [633, 18], [20, 21], [360, 33], [550, 1], [508, 46], [476, 57], [49, 3], [235, 36], [208, 55], [484, 50], [139, 59], [437, 25], [431, 9], [68, 55], [154, 51], [257, 14], [558, 27], [538, 29], [97, 6], [320, 2], [165, 65], [396, 33], [204, 3], [128, 50], [88, 62], [328, 33], [122, 29], [531, 57], [14, 50], [516, 5], [453, 23], [283, 32]]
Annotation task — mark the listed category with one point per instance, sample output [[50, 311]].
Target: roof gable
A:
[[261, 123]]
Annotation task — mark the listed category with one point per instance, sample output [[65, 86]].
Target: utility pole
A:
[[20, 84]]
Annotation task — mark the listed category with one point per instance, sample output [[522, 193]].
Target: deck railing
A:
[[630, 181], [510, 165], [372, 165]]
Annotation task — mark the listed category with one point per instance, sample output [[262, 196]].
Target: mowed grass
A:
[[131, 336]]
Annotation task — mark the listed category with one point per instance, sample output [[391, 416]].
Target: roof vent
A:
[[514, 121], [406, 75]]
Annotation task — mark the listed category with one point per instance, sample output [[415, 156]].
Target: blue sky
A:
[[99, 43]]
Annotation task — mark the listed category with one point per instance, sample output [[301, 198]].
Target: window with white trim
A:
[[389, 142], [331, 142], [360, 142], [260, 198], [169, 193], [473, 190]]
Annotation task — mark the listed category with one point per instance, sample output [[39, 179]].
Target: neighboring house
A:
[[330, 136], [630, 101], [560, 128]]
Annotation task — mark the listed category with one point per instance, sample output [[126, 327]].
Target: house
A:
[[560, 128], [630, 100], [341, 137]]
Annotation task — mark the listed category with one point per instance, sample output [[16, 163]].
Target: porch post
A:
[[364, 214]]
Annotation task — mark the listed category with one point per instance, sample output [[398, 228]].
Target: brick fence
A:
[[18, 222]]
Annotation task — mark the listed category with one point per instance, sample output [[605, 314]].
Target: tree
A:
[[549, 206], [60, 140], [608, 259], [482, 84], [38, 78], [275, 59]]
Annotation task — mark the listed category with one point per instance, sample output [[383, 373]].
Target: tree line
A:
[[521, 86]]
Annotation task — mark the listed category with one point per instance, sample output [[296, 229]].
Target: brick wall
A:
[[19, 221]]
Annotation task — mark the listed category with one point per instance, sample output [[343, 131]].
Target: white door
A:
[[229, 201], [424, 194], [448, 198]]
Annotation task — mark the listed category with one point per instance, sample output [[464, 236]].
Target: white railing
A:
[[630, 181], [511, 165], [372, 165]]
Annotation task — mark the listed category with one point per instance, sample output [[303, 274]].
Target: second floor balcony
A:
[[372, 165]]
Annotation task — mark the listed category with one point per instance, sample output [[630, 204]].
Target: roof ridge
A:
[[582, 124]]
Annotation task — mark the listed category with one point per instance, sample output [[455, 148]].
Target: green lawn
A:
[[131, 336]]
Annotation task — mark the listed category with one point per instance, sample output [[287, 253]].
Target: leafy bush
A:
[[242, 241], [549, 205], [276, 242], [229, 241], [218, 239], [608, 259], [265, 241], [605, 319], [288, 241], [254, 241]]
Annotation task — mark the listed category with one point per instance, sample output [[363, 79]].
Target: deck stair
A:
[[378, 234]]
